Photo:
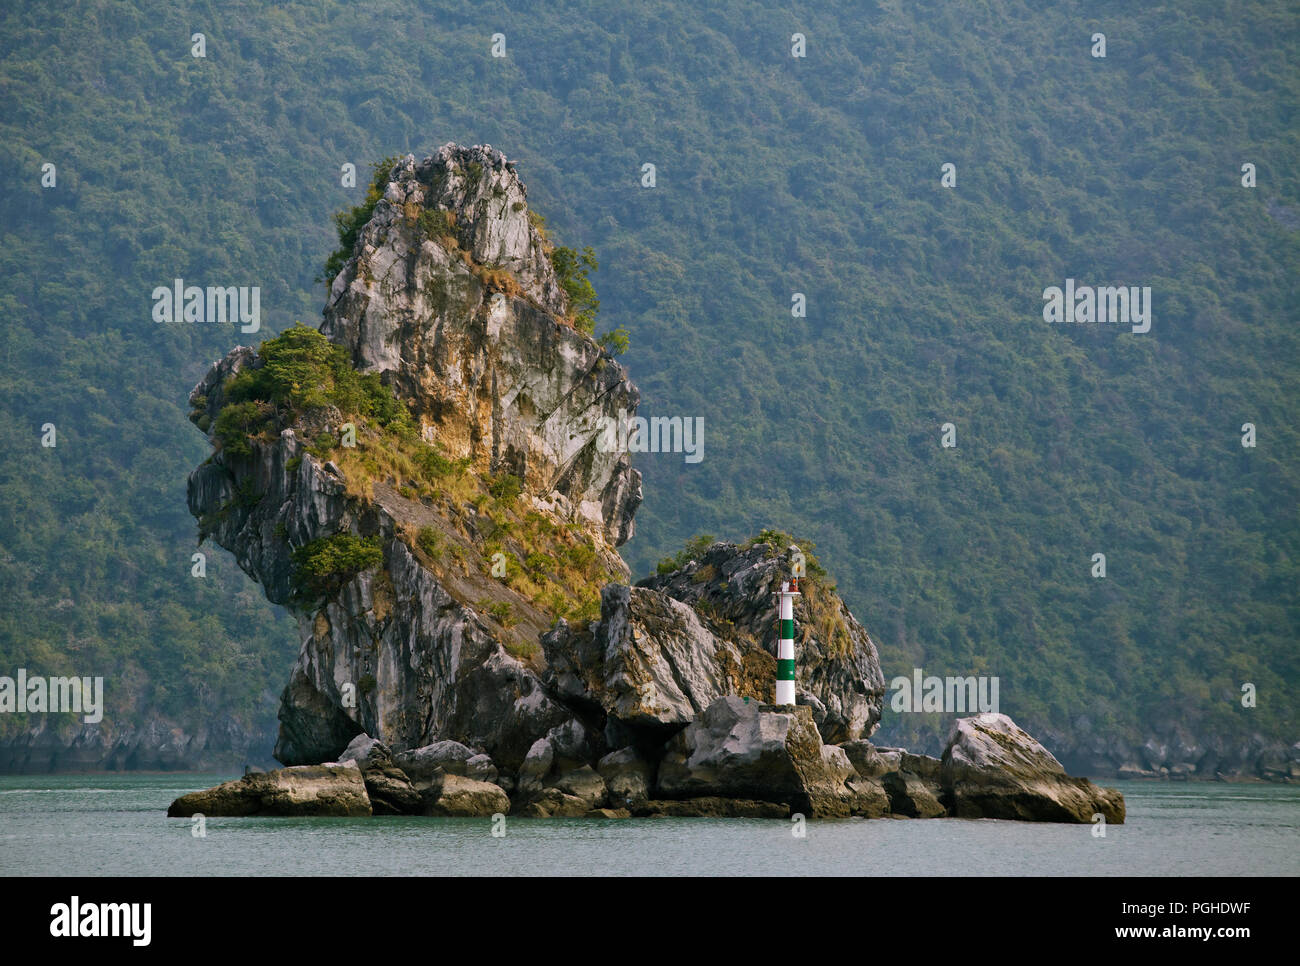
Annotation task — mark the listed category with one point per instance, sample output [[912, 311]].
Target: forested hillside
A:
[[774, 175]]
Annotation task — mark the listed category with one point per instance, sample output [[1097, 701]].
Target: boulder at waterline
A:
[[912, 796], [584, 784], [745, 750], [389, 788], [300, 790], [458, 796], [628, 776], [421, 763], [994, 769]]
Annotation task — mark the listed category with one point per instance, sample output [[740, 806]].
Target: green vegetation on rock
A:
[[428, 540], [694, 547], [351, 220], [615, 340], [571, 267], [326, 564], [302, 370]]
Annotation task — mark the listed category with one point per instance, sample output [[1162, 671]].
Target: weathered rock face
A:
[[502, 381], [448, 756], [869, 798], [742, 749], [838, 672], [628, 777], [649, 663], [367, 752], [912, 796], [554, 803], [390, 791], [439, 668], [487, 368], [993, 769], [421, 663], [536, 766], [303, 790], [388, 787], [557, 777], [872, 762], [422, 666], [458, 796], [300, 498], [664, 650], [585, 784], [481, 768]]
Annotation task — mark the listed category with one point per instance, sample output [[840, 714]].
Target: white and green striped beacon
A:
[[785, 647]]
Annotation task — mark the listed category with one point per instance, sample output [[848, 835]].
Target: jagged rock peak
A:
[[450, 293], [481, 188]]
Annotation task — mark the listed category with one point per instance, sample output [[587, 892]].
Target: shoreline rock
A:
[[993, 769], [736, 759], [740, 749], [390, 791], [455, 796], [302, 790]]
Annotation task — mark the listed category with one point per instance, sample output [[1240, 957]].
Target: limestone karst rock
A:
[[471, 644], [456, 795], [472, 340], [838, 672], [336, 790], [993, 769], [654, 662], [649, 662], [467, 333], [747, 750], [464, 322], [388, 787]]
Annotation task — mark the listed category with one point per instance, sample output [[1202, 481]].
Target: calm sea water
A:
[[117, 825]]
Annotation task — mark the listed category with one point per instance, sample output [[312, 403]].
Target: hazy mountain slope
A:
[[775, 176]]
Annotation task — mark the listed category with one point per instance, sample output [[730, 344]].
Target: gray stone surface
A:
[[739, 749], [837, 667], [994, 769], [337, 790]]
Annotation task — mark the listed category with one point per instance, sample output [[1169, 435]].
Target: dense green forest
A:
[[775, 175]]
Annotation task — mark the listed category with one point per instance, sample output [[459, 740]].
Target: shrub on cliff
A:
[[430, 541], [322, 567], [615, 341], [435, 223], [239, 421], [352, 220], [694, 548], [301, 370], [505, 489], [779, 540], [571, 268]]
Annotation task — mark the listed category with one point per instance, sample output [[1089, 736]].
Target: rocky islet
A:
[[415, 693]]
